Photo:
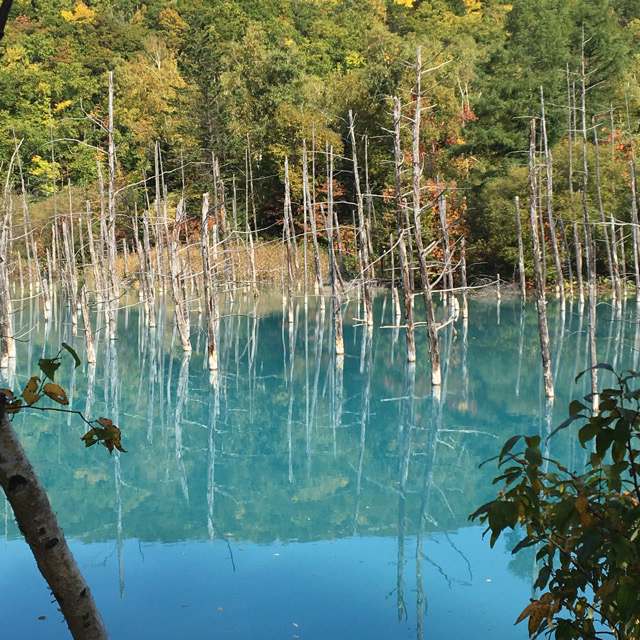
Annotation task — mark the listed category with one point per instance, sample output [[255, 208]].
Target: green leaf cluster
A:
[[584, 525]]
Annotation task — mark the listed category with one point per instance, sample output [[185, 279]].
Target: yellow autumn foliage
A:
[[82, 13]]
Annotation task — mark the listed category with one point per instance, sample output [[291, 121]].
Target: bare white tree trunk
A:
[[404, 263], [434, 349], [591, 259], [549, 198], [209, 294], [364, 243], [545, 346], [523, 284]]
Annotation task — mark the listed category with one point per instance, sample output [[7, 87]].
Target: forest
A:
[[313, 260], [251, 82]]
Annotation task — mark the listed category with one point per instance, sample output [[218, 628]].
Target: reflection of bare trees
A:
[[182, 396], [405, 426], [366, 368]]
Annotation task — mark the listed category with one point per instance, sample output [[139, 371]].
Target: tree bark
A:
[[43, 534]]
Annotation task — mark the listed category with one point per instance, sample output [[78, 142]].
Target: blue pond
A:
[[292, 495]]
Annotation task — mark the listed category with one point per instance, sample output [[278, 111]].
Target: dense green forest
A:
[[251, 81]]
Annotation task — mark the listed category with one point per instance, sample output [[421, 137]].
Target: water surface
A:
[[292, 495]]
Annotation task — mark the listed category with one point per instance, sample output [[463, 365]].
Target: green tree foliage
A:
[[209, 77], [583, 525]]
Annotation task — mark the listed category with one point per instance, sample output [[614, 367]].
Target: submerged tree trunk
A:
[[404, 264], [365, 242], [432, 331], [545, 345], [523, 283], [43, 534], [549, 197], [590, 252]]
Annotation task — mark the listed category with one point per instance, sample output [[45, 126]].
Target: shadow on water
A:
[[293, 492]]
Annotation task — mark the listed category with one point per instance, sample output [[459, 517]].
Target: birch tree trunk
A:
[[38, 524]]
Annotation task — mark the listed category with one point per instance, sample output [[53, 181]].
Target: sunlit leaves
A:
[[104, 431], [107, 433], [56, 393], [539, 610], [29, 394], [586, 525]]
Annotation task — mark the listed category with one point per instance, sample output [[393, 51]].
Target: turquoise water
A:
[[289, 496]]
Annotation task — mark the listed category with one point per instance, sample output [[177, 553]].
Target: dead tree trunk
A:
[[113, 286], [549, 198], [335, 276], [605, 231], [397, 314], [446, 245], [523, 283], [404, 264], [432, 331], [209, 293], [312, 215], [86, 320], [182, 311], [463, 278], [364, 242], [591, 260], [545, 346], [287, 229], [578, 251]]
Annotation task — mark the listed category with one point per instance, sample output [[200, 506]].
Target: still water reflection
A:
[[292, 495]]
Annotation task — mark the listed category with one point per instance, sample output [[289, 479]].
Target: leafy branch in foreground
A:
[[102, 430], [584, 526]]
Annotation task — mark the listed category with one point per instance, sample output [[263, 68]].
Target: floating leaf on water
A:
[[29, 394], [56, 393], [72, 351], [49, 367]]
